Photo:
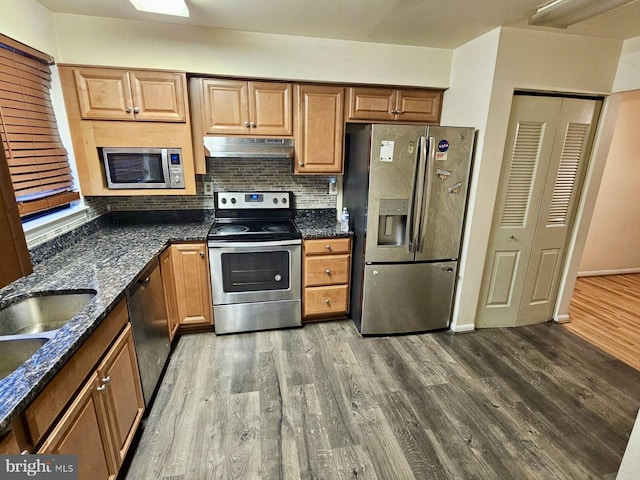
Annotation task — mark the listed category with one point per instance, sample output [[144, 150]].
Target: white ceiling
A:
[[430, 23]]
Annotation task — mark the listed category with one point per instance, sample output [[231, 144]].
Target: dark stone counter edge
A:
[[323, 226]]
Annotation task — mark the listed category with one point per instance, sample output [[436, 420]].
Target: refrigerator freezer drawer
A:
[[405, 298]]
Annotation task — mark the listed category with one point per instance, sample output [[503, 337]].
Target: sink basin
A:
[[14, 353], [42, 313]]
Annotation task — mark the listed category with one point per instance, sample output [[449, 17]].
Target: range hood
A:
[[243, 147]]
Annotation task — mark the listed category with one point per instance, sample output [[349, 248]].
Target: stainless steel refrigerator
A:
[[406, 190]]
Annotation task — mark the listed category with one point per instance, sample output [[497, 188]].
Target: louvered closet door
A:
[[565, 175], [525, 255]]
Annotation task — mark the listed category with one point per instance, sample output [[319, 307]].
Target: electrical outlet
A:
[[208, 188]]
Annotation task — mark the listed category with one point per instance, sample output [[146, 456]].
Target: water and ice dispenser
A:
[[392, 221]]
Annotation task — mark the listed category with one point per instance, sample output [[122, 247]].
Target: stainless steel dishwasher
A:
[[148, 315]]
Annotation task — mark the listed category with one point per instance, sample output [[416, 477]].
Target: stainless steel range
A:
[[255, 253]]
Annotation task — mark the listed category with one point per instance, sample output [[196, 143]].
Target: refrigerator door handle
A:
[[422, 218], [419, 197], [412, 199]]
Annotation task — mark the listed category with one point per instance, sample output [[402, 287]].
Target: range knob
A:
[[284, 200], [275, 201], [233, 200], [223, 200]]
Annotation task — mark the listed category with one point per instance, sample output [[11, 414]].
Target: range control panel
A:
[[249, 200]]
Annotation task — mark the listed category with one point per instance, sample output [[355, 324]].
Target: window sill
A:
[[45, 228]]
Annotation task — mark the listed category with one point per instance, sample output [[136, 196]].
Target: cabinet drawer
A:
[[326, 270], [326, 301], [327, 246]]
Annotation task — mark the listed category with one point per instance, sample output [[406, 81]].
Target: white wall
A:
[[466, 104], [128, 43], [628, 74], [612, 242], [528, 60]]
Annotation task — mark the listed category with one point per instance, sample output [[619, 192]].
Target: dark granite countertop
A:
[[105, 256]]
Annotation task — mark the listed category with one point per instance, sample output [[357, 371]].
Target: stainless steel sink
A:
[[14, 353], [41, 313]]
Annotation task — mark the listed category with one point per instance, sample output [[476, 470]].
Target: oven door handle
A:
[[276, 243]]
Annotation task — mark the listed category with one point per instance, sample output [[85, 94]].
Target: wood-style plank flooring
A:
[[320, 402], [605, 310]]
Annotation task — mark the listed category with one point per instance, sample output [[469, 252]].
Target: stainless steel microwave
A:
[[139, 168]]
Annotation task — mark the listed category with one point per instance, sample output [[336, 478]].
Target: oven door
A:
[[250, 272]]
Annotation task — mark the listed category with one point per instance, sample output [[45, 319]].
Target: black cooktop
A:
[[238, 229]]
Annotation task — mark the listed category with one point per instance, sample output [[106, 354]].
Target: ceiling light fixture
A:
[[562, 13], [166, 7]]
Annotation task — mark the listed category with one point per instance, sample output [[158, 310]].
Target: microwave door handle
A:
[[423, 219], [165, 167], [412, 199]]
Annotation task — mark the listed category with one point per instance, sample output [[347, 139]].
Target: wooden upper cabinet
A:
[[236, 107], [319, 129], [394, 105], [131, 95]]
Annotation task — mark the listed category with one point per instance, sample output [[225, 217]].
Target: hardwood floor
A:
[[321, 402], [605, 311]]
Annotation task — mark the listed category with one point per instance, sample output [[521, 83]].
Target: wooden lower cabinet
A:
[[326, 275], [185, 272], [83, 431], [102, 420], [15, 441]]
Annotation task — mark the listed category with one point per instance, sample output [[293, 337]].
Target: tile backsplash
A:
[[239, 174]]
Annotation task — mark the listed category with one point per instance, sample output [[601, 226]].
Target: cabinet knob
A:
[[201, 254], [247, 124], [327, 271], [512, 237], [128, 109], [252, 125], [136, 110], [328, 247], [107, 380], [301, 163], [102, 388], [327, 301]]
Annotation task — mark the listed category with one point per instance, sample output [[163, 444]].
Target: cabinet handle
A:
[[252, 125], [102, 388], [301, 163], [246, 124], [128, 109], [327, 271], [327, 301], [201, 254], [107, 380], [136, 110], [25, 452], [328, 247]]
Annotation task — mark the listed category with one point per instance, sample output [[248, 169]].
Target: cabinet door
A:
[[270, 108], [419, 106], [192, 284], [158, 96], [327, 302], [225, 106], [319, 129], [169, 282], [118, 372], [103, 94], [83, 431], [371, 104]]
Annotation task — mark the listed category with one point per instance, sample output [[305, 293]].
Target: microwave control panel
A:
[[176, 177]]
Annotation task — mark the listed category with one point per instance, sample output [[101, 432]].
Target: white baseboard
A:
[[463, 328], [564, 318], [621, 271]]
